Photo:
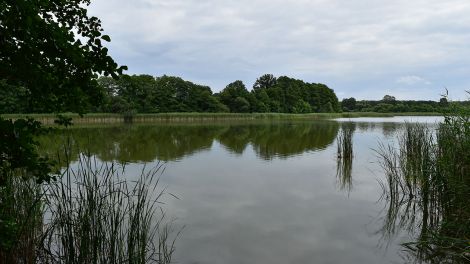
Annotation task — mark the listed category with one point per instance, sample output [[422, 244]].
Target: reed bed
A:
[[111, 118], [427, 189], [97, 216], [21, 208], [91, 214]]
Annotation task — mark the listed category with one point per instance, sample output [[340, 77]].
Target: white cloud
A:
[[412, 79]]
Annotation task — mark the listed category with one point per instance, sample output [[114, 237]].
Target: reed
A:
[[111, 118], [97, 216], [427, 189], [91, 214], [21, 222], [345, 156]]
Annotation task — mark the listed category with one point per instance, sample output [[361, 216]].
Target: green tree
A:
[[234, 96], [389, 99], [13, 99], [266, 81], [53, 49], [443, 102], [348, 104]]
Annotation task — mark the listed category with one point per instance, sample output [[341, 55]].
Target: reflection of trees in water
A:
[[345, 154], [133, 143], [279, 139], [363, 126], [390, 129], [139, 143]]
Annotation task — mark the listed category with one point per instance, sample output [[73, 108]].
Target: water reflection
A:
[[425, 195], [259, 192], [174, 142]]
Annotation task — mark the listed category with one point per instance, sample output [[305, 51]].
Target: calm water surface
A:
[[265, 192]]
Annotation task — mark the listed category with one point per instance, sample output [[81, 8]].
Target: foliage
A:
[[389, 98], [390, 105], [20, 164], [266, 81], [19, 150], [146, 94], [234, 96], [13, 99], [348, 104], [53, 49], [51, 52]]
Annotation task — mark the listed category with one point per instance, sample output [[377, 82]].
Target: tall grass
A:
[[97, 216], [92, 214], [111, 118], [427, 189], [21, 209], [345, 156]]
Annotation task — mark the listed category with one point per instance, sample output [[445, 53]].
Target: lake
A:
[[263, 191]]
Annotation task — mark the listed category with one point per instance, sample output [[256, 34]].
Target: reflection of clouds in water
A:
[[244, 210]]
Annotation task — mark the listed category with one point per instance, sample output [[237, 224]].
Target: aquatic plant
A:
[[427, 189], [344, 156], [91, 214], [94, 215]]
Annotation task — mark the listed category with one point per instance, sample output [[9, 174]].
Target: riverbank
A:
[[109, 118]]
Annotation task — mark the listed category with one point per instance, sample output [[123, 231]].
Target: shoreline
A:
[[111, 118]]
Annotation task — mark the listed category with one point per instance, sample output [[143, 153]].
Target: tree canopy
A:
[[53, 49], [147, 94]]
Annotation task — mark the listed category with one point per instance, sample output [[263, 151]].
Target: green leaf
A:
[[106, 37]]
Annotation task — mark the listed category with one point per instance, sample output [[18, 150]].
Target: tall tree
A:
[[348, 104], [235, 96], [53, 49], [266, 81]]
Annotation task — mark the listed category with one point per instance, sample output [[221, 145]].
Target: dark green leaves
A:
[[18, 149], [106, 37], [41, 52]]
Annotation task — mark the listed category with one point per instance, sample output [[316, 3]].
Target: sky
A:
[[360, 48]]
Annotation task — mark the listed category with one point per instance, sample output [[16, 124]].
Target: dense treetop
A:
[[146, 94], [390, 105]]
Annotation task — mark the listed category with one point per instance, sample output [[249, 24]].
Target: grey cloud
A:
[[356, 47]]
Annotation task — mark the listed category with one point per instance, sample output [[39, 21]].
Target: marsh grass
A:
[[95, 215], [345, 156], [112, 118], [22, 208], [427, 189], [91, 214]]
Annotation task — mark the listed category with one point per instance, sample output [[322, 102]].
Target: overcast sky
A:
[[360, 48]]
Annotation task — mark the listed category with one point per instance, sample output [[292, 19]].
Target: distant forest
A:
[[148, 94]]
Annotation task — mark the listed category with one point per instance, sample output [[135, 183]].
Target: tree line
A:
[[389, 104], [149, 94], [130, 94]]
